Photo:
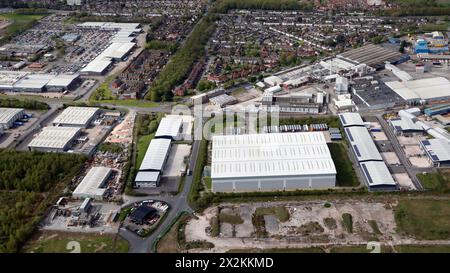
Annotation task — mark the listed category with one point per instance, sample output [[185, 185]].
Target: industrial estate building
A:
[[120, 46], [76, 117], [375, 171], [146, 179], [153, 163], [170, 127], [92, 185], [437, 151], [54, 139], [9, 115], [276, 161], [18, 81], [422, 90]]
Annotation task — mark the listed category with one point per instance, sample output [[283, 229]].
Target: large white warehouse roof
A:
[[362, 144], [91, 184], [54, 137], [438, 150], [156, 155], [258, 155], [377, 174], [169, 127], [77, 116], [423, 89]]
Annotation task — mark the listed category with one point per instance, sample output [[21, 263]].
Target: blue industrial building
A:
[[437, 110], [421, 46]]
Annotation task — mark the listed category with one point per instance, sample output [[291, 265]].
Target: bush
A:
[[347, 222]]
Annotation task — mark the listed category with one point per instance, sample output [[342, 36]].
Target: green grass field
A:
[[55, 242], [423, 249], [424, 219], [19, 22], [346, 176], [142, 146], [439, 181], [277, 250]]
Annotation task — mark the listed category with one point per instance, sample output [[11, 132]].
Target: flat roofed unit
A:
[[8, 115], [9, 78], [271, 155], [351, 119], [169, 127], [438, 150], [362, 144], [92, 183], [424, 89], [377, 174], [117, 50], [147, 177], [54, 137], [371, 55], [76, 116], [63, 80], [97, 66], [156, 155], [405, 124], [34, 81]]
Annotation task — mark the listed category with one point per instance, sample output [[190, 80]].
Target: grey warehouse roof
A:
[[147, 177], [362, 144], [351, 119], [437, 149], [169, 126], [76, 115], [156, 154], [6, 114], [54, 137], [377, 174], [91, 183], [256, 155]]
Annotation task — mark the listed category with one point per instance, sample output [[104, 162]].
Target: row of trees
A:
[[222, 6], [179, 67], [27, 104]]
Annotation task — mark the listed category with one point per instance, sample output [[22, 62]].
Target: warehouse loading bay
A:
[[19, 128]]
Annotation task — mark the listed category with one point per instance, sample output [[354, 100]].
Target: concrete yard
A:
[[390, 158], [420, 161], [404, 181], [175, 162]]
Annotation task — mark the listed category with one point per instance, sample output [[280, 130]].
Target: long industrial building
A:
[[156, 155], [374, 169], [76, 116], [92, 185], [422, 90], [54, 139], [18, 81], [9, 115], [277, 161], [170, 127]]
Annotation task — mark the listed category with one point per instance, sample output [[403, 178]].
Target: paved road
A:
[[178, 204]]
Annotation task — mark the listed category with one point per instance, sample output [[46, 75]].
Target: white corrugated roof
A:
[[147, 177], [76, 115], [351, 119], [362, 144], [156, 153], [91, 183], [34, 81], [63, 80], [437, 149], [258, 155], [169, 126], [430, 88], [377, 174], [97, 66], [6, 114], [54, 137]]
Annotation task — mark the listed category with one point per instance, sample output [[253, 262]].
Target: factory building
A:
[[351, 119], [63, 82], [405, 127], [54, 139], [378, 176], [362, 144], [8, 116], [76, 117], [147, 179], [375, 172], [438, 151], [170, 127], [423, 90], [96, 68], [276, 161], [437, 110], [93, 184]]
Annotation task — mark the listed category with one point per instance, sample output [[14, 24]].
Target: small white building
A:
[[170, 127], [147, 179], [9, 115], [92, 185]]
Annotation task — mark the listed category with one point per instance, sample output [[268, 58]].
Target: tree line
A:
[[223, 6], [27, 104]]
